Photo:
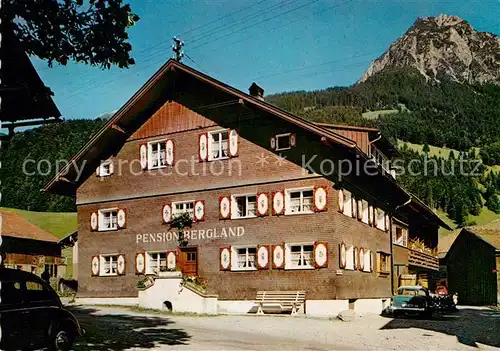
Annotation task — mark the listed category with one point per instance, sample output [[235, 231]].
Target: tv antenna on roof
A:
[[177, 49]]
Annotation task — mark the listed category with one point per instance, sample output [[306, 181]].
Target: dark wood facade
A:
[[181, 106], [473, 267]]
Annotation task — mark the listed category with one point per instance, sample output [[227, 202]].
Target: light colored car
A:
[[412, 300]]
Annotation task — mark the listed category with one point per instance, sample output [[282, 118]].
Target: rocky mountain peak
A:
[[444, 47]]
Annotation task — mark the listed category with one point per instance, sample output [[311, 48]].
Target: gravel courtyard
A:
[[113, 328]]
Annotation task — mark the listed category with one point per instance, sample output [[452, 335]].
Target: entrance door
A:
[[189, 260]]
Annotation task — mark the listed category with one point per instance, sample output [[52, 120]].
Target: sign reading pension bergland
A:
[[193, 234]]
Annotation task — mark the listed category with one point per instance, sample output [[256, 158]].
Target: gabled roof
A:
[[16, 226], [490, 233]]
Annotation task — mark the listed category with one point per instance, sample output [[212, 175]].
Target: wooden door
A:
[[189, 260]]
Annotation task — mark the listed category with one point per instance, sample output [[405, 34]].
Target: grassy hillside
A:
[[58, 223], [434, 150]]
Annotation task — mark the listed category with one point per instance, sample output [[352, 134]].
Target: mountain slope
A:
[[444, 47]]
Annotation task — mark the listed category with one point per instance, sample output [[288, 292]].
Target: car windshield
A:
[[411, 292]]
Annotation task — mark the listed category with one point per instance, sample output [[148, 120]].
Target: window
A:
[[179, 208], [52, 269], [191, 256], [380, 219], [283, 142], [244, 258], [36, 292], [299, 201], [383, 263], [299, 256], [11, 293], [400, 236], [379, 158], [218, 145], [156, 262], [244, 206], [367, 261], [108, 265], [347, 203], [364, 214], [108, 219], [156, 151], [349, 258], [106, 168]]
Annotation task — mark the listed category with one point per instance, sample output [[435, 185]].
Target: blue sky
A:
[[284, 45]]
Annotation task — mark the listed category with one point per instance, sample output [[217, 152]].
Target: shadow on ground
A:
[[121, 332], [470, 326]]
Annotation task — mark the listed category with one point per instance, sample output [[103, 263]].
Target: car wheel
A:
[[63, 339]]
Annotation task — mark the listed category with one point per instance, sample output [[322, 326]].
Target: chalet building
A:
[[278, 203], [29, 248], [473, 265]]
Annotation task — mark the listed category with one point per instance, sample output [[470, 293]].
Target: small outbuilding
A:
[[473, 266], [28, 247]]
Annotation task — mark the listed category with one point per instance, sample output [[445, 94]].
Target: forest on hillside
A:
[[448, 114], [29, 161]]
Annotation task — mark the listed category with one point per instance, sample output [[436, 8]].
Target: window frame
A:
[[404, 236], [106, 163], [234, 258], [174, 208], [102, 261], [349, 258], [278, 136], [288, 256], [210, 141], [148, 269], [234, 205], [288, 200], [382, 256], [100, 219], [150, 154]]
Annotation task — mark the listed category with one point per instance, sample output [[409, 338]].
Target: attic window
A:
[[283, 142], [105, 169]]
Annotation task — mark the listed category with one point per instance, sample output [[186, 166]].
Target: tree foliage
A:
[[491, 154], [94, 33]]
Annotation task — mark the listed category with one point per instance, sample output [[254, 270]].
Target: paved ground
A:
[[121, 329]]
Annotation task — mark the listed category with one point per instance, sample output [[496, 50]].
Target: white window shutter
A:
[[224, 207], [169, 151], [359, 211], [143, 156], [121, 219], [278, 252], [94, 221], [320, 199], [370, 215], [272, 143], [342, 256], [320, 254], [140, 263], [203, 146], [262, 204], [233, 143], [199, 210], [166, 213], [225, 258], [98, 171], [171, 260], [387, 222], [293, 139], [94, 267], [121, 265], [354, 205], [262, 257], [278, 202]]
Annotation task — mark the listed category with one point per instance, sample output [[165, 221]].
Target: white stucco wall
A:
[[370, 305], [181, 298], [322, 308]]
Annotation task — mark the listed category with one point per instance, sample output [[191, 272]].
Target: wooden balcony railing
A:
[[420, 259]]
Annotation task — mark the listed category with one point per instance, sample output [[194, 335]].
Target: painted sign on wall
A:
[[192, 235]]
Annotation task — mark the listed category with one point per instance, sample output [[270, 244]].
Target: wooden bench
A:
[[280, 300]]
